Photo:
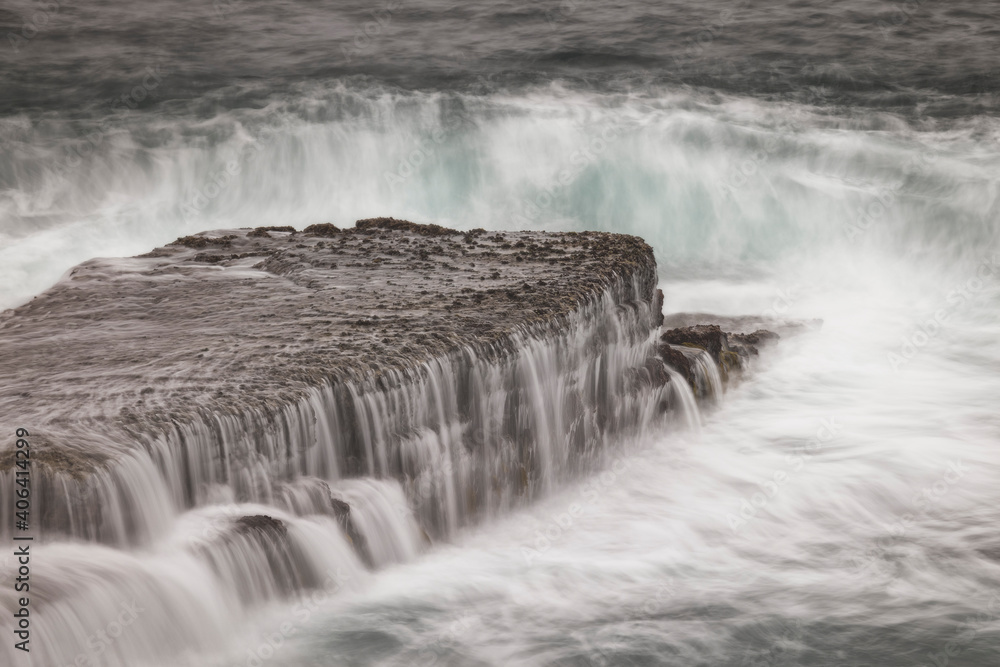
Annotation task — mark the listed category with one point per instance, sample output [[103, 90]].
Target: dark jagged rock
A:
[[678, 361], [323, 229], [754, 339], [650, 374], [202, 241], [747, 345], [264, 232], [372, 224], [743, 324], [342, 511], [708, 337], [260, 523], [730, 351]]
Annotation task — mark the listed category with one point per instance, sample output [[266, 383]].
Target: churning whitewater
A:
[[808, 167]]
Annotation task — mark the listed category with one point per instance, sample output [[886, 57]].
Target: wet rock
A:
[[263, 232], [260, 523], [280, 321], [753, 340], [708, 337], [342, 511], [372, 224], [743, 324], [210, 258], [651, 374], [325, 229], [678, 361], [730, 351], [203, 241]]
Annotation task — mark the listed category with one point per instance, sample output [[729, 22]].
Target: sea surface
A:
[[834, 161]]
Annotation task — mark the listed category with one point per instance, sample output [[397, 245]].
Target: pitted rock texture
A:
[[233, 319]]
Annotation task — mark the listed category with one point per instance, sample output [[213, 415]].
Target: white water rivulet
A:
[[836, 508]]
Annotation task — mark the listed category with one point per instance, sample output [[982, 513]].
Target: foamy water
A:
[[839, 507]]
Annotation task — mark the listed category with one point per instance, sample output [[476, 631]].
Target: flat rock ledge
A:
[[240, 319]]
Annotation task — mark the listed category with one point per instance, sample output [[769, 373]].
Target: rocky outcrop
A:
[[708, 337], [731, 352], [246, 358]]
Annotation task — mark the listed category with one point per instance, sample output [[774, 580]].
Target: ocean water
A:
[[834, 161]]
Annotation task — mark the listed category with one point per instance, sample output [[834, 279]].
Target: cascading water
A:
[[834, 161], [470, 433], [265, 508], [187, 593], [705, 181]]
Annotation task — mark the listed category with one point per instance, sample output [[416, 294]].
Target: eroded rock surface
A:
[[226, 321], [730, 351]]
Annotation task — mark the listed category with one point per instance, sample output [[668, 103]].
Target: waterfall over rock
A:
[[243, 417]]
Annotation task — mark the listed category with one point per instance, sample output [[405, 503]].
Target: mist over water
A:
[[795, 162]]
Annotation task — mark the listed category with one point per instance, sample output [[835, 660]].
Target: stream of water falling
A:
[[806, 160]]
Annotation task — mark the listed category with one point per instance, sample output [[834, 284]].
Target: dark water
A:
[[926, 58], [833, 160]]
